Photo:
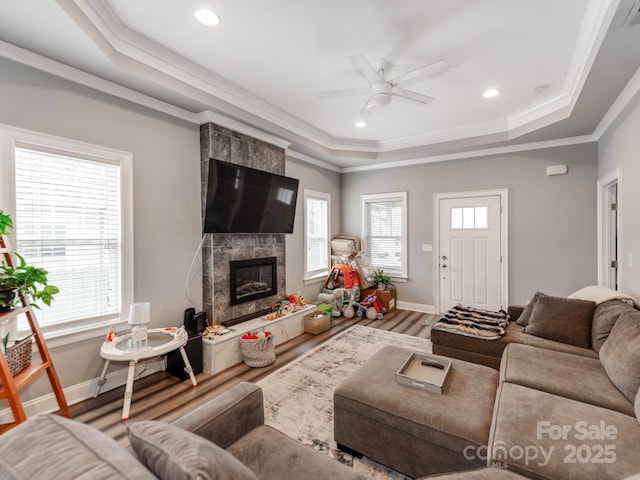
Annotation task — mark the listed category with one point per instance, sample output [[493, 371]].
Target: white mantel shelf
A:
[[223, 352]]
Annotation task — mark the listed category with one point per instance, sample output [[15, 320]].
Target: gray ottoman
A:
[[412, 431]]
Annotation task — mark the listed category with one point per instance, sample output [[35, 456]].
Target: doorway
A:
[[471, 250], [608, 219]]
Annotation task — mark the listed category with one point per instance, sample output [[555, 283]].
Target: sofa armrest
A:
[[227, 417], [515, 311]]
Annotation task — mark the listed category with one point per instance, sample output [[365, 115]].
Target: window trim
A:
[[10, 138], [373, 197], [320, 273]]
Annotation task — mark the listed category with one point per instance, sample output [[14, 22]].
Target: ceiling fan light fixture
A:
[[491, 92], [207, 17], [380, 99]]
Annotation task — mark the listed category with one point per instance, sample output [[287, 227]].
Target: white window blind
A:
[[316, 233], [385, 231], [68, 221]]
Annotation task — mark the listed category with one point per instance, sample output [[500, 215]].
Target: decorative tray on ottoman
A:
[[424, 372]]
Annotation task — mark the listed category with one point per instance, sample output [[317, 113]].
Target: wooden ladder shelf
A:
[[12, 385]]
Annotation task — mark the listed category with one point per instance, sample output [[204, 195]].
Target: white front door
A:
[[469, 264]]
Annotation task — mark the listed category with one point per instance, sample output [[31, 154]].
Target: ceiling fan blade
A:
[[421, 73], [364, 67], [368, 108], [415, 96], [346, 92]]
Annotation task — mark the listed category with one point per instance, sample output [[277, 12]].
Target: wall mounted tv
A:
[[245, 200]]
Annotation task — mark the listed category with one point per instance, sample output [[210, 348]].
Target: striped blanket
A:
[[474, 322]]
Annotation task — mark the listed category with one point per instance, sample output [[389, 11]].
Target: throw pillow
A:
[[562, 319], [173, 453], [523, 319], [51, 446], [620, 356]]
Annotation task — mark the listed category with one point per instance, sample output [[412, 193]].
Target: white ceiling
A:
[[267, 62]]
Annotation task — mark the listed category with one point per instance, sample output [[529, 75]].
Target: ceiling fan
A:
[[380, 90]]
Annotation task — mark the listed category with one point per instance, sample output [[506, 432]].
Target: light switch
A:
[[427, 247]]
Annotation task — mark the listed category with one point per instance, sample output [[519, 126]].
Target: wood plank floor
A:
[[161, 396]]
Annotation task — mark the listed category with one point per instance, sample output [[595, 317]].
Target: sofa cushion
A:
[[604, 318], [562, 319], [538, 434], [173, 453], [272, 455], [54, 447], [599, 294], [570, 376], [620, 355], [524, 317]]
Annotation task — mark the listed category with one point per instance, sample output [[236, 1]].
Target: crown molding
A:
[[628, 94], [130, 50], [474, 154], [312, 161], [332, 150], [52, 67], [209, 116]]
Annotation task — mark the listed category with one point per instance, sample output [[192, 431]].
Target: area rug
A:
[[298, 397]]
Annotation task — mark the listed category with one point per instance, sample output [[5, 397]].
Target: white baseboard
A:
[[417, 307], [83, 391]]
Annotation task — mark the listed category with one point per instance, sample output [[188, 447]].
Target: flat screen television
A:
[[246, 200]]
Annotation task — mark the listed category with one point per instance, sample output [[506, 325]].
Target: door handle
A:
[[444, 265]]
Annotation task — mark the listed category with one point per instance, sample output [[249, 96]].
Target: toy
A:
[[373, 306], [337, 299], [342, 276], [350, 302]]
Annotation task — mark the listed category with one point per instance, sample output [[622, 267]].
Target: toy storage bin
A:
[[317, 322]]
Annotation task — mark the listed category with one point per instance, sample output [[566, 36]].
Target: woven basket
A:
[[19, 355], [258, 352]]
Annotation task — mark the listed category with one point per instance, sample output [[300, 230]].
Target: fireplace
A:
[[253, 279]]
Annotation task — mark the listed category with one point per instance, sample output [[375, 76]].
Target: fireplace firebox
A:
[[253, 279]]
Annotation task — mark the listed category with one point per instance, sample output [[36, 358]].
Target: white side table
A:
[[160, 341]]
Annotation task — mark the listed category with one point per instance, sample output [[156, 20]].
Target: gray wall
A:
[[552, 222], [166, 191], [620, 148], [320, 180]]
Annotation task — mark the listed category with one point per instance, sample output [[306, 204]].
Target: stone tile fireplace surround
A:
[[220, 249]]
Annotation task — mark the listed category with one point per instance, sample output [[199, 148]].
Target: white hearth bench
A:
[[224, 351]]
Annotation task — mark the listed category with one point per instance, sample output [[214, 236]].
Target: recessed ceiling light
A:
[[207, 17], [361, 124], [492, 92]]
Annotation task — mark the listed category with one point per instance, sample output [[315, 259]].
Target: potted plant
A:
[[381, 279], [22, 279], [6, 223]]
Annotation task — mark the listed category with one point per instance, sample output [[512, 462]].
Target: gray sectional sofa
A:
[[564, 404], [568, 387], [225, 439]]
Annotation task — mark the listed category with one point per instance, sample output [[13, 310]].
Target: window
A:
[[385, 231], [469, 218], [317, 208], [71, 208]]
